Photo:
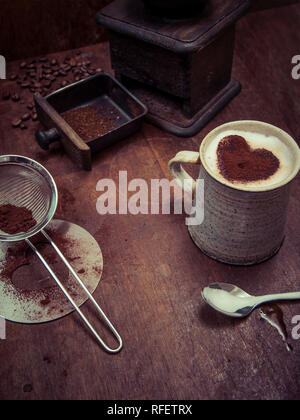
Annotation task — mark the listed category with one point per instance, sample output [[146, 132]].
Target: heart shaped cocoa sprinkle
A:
[[237, 161]]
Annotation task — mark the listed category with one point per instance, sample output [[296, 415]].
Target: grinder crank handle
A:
[[45, 138]]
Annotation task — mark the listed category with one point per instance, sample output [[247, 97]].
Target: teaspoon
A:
[[232, 301]]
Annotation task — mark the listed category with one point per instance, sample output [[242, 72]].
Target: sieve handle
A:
[[83, 317]]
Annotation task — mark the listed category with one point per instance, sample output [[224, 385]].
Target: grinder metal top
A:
[[132, 18]]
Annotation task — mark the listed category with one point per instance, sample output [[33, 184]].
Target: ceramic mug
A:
[[243, 224]]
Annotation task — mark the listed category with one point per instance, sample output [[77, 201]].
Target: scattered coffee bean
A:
[[13, 77], [43, 59], [23, 126], [16, 123], [25, 117], [15, 97], [47, 83], [23, 65], [30, 106], [25, 85], [53, 62], [34, 116]]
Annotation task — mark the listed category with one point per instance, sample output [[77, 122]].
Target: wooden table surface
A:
[[175, 347]]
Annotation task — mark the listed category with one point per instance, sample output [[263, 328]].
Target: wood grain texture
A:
[[175, 347], [35, 27]]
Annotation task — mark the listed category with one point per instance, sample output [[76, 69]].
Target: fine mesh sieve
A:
[[26, 183]]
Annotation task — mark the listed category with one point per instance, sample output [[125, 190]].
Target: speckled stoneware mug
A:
[[243, 224]]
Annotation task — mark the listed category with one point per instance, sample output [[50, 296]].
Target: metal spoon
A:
[[232, 301]]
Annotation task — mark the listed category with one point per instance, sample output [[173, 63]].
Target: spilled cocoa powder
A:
[[14, 220], [237, 161], [49, 297]]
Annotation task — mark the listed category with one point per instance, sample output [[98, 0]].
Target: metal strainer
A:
[[26, 183]]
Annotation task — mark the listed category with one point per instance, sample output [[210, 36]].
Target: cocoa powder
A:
[[237, 161], [15, 220]]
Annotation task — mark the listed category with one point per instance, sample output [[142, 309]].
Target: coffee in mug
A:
[[247, 168]]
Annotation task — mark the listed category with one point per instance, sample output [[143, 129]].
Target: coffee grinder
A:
[[176, 56]]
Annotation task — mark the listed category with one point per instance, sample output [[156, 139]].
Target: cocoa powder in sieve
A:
[[15, 220]]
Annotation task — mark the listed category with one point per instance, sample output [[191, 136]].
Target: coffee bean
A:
[[25, 85], [13, 77], [30, 106], [99, 70], [43, 59], [53, 62], [64, 83], [23, 65], [25, 117], [39, 74], [34, 116], [16, 123], [23, 126], [47, 83], [31, 66], [15, 97]]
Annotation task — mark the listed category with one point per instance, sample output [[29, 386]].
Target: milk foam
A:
[[256, 141]]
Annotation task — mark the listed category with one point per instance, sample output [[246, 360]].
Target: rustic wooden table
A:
[[175, 347]]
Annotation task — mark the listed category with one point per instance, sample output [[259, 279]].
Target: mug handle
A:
[[179, 174]]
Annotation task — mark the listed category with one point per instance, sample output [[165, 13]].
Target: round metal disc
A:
[[28, 294]]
